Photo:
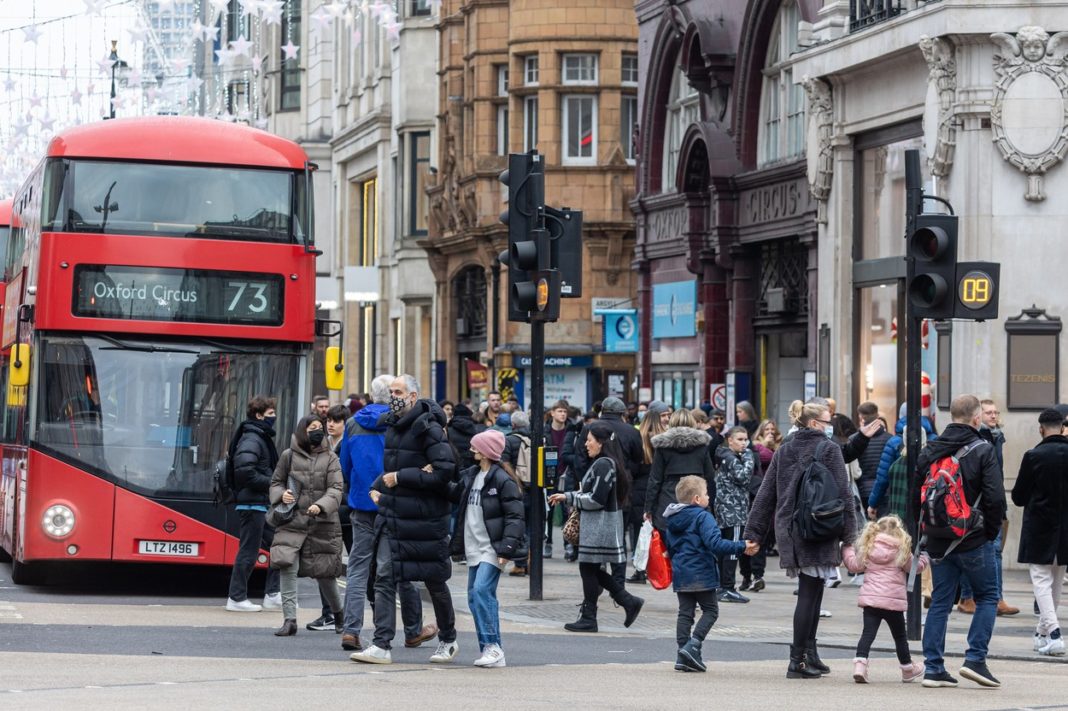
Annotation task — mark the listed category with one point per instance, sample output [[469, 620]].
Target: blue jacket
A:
[[891, 451], [361, 455], [695, 545]]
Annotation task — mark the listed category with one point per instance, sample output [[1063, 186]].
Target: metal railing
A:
[[865, 13]]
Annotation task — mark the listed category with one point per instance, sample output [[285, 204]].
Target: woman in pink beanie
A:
[[490, 531]]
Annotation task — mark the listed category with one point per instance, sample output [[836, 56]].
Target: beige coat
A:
[[313, 541]]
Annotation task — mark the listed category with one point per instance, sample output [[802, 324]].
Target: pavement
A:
[[118, 638]]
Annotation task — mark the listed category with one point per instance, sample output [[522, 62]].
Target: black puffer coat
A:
[[869, 463], [502, 510], [1042, 489], [254, 457], [680, 451], [460, 431], [414, 514]]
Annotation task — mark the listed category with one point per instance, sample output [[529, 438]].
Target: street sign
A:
[[718, 396]]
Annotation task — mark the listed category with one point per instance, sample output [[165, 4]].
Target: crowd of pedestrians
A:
[[421, 486]]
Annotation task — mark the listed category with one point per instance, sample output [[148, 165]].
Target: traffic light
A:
[[565, 234], [932, 274], [524, 214]]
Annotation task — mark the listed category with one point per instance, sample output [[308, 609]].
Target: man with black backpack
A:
[[961, 500]]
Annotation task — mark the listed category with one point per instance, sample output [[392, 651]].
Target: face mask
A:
[[316, 437], [829, 431], [397, 405], [641, 416], [269, 421]]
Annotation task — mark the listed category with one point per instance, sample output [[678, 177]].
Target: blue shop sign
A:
[[620, 330], [560, 361], [675, 309]]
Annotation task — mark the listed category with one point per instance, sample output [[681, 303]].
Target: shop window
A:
[[882, 179], [682, 110], [878, 309], [782, 105]]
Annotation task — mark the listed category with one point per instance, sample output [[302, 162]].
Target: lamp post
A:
[[116, 63]]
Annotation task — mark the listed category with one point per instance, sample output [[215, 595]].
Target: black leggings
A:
[[895, 620], [594, 577], [807, 611]]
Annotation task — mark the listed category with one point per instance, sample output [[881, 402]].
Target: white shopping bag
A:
[[641, 550]]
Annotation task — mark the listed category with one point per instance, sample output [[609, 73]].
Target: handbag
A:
[[281, 514], [641, 550], [658, 569], [571, 527]]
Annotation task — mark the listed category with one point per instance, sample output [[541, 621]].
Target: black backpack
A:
[[819, 511], [224, 490]]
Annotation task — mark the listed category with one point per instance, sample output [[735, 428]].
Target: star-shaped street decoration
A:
[[357, 37], [260, 123], [105, 64], [46, 122], [137, 33], [32, 33], [210, 34], [94, 7], [224, 57], [321, 18], [257, 62], [35, 101], [219, 5], [63, 72], [336, 8], [272, 12], [9, 84], [193, 84], [179, 65], [134, 78], [240, 47], [290, 50], [393, 29], [21, 127], [76, 97]]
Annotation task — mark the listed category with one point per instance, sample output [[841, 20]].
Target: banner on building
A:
[[620, 330], [477, 375], [508, 383], [675, 309]]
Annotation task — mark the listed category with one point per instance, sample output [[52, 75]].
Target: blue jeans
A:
[[979, 568], [482, 599], [965, 586], [359, 570]]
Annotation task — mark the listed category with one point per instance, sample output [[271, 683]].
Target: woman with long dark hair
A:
[[601, 498]]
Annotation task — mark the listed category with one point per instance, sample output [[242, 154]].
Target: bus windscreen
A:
[[172, 201]]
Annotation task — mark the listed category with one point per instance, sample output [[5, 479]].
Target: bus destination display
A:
[[159, 294]]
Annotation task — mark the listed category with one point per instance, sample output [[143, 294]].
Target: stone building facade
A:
[[561, 79]]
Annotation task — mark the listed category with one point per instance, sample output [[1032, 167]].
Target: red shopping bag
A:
[[658, 569]]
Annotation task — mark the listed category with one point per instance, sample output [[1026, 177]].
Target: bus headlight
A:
[[58, 521]]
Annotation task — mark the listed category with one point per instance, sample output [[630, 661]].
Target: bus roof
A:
[[178, 139], [5, 212]]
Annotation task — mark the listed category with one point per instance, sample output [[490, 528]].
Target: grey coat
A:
[[775, 502], [600, 518]]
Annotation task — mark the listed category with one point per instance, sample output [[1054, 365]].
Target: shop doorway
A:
[[783, 358]]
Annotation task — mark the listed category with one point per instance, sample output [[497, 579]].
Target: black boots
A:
[[638, 577], [689, 658], [813, 658], [799, 667], [587, 621], [288, 629], [632, 605]]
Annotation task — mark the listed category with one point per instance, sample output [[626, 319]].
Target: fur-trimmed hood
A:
[[681, 438]]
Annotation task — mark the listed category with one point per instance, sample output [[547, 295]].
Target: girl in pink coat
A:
[[883, 552]]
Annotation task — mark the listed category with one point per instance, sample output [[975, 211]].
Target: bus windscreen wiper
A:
[[145, 348]]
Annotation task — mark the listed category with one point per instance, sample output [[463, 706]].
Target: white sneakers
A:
[[372, 655], [272, 602], [1050, 647], [243, 606], [492, 656], [445, 653], [1041, 641]]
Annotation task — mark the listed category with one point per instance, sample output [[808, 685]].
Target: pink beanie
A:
[[489, 444]]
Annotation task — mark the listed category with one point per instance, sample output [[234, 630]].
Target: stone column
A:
[[716, 338]]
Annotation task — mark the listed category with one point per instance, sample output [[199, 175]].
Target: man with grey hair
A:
[[361, 463], [517, 460], [412, 529]]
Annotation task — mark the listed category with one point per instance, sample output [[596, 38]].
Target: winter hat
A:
[[504, 420], [903, 410], [462, 410], [489, 444], [656, 408], [613, 405]]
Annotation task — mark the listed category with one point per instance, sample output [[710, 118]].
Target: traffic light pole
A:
[[537, 434], [913, 353]]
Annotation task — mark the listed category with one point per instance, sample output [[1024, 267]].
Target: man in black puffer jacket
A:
[[253, 457], [461, 429], [412, 529]]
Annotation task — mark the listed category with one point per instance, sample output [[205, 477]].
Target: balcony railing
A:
[[865, 13]]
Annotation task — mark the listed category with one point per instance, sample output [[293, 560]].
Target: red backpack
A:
[[944, 510]]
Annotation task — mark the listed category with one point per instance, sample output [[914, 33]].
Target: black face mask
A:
[[269, 421], [316, 437]]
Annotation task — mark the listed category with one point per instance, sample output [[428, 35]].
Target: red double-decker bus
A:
[[160, 273], [5, 233]]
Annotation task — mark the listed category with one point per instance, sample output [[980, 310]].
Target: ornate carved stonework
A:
[[939, 118], [820, 152], [1029, 115]]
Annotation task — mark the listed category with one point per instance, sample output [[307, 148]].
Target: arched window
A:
[[682, 110], [782, 104]]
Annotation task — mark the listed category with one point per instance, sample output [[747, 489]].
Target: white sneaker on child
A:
[[492, 656]]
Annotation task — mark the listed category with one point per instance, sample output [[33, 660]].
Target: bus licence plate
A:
[[168, 548]]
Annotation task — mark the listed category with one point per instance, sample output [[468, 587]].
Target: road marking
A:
[[9, 611]]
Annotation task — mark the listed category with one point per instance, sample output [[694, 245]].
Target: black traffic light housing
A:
[[526, 202], [932, 273], [565, 235]]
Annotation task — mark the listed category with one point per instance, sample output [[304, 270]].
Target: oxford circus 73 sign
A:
[[1029, 112]]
